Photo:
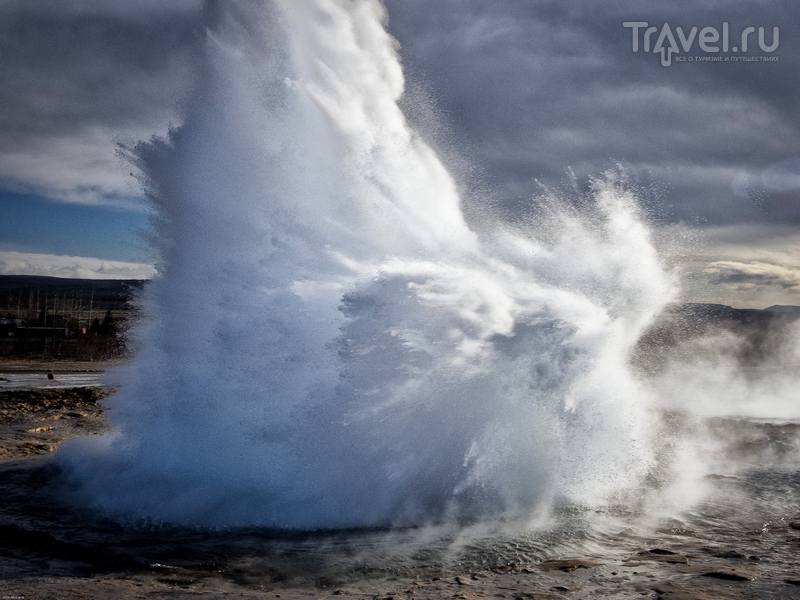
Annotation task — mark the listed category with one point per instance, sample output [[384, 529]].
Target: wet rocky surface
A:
[[50, 549], [705, 577], [37, 421]]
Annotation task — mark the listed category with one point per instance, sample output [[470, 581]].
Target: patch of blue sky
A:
[[31, 223]]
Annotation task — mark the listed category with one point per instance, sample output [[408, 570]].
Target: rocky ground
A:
[[36, 421], [41, 559], [690, 573]]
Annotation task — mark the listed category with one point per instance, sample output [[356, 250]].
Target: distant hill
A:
[[108, 290], [90, 316], [723, 310], [761, 332], [784, 309]]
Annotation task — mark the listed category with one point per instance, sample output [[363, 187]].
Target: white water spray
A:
[[328, 343]]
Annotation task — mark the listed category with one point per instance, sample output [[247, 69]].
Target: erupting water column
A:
[[327, 343]]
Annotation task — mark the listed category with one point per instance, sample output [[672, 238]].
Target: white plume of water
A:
[[329, 344]]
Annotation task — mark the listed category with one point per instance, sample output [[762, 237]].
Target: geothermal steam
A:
[[329, 343]]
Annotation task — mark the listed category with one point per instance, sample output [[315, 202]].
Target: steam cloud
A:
[[330, 343]]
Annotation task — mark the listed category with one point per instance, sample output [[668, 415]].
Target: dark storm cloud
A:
[[78, 75], [536, 87], [527, 89], [64, 71]]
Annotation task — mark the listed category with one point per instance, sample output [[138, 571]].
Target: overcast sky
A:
[[522, 91]]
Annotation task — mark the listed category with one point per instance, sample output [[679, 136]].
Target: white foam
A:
[[329, 343]]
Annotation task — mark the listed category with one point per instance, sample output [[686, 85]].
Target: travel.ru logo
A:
[[707, 39]]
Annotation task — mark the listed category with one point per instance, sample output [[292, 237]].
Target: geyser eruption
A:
[[329, 343]]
